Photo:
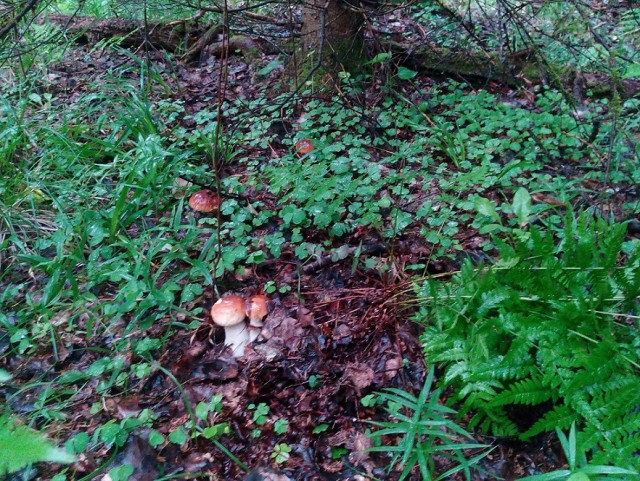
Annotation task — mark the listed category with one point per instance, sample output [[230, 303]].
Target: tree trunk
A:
[[330, 38]]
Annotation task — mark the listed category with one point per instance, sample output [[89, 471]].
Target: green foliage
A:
[[552, 326], [281, 452], [21, 446], [425, 432], [260, 413], [579, 468], [564, 34], [96, 241], [95, 217], [363, 175]]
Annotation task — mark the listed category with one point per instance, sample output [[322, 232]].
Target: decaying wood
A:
[[519, 68], [170, 36], [205, 39]]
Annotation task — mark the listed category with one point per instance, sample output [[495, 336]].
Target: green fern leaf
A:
[[560, 416], [530, 391]]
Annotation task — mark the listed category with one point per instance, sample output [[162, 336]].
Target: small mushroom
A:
[[229, 312], [205, 201], [304, 146], [256, 309]]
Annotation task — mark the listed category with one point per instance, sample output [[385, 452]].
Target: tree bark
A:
[[330, 37]]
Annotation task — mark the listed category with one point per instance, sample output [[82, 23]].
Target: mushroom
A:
[[256, 310], [304, 146], [205, 201], [229, 312]]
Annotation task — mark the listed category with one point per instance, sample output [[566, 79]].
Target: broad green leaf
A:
[[202, 410], [405, 73], [632, 71], [320, 428], [486, 207], [522, 205], [381, 57], [179, 436], [77, 443], [487, 229], [595, 469], [270, 67], [155, 438], [560, 474], [121, 473]]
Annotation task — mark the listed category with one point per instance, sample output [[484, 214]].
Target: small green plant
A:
[[121, 473], [579, 468], [320, 428], [315, 381], [281, 426], [490, 221], [260, 413], [425, 432], [369, 400], [281, 453]]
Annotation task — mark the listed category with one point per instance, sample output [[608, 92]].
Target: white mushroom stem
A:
[[236, 337], [254, 329]]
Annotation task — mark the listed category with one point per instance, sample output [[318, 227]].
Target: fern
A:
[[530, 391], [553, 323], [21, 446]]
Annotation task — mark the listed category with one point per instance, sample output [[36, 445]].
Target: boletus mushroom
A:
[[304, 146], [205, 201], [256, 309], [229, 312]]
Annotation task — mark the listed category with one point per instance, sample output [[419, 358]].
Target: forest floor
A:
[[342, 332]]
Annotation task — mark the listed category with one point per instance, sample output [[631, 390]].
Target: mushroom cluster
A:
[[230, 312]]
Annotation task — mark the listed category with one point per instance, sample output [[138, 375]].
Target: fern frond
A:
[[624, 452], [560, 416], [495, 422], [530, 391], [545, 325]]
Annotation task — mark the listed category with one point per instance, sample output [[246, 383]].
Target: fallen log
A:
[[169, 36], [516, 69]]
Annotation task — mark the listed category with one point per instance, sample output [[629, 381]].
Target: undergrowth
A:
[[99, 248], [545, 337]]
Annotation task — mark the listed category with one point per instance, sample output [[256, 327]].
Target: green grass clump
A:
[[580, 469], [545, 337], [425, 434]]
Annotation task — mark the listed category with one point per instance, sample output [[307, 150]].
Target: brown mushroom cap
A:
[[304, 146], [256, 308], [205, 200], [228, 311]]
